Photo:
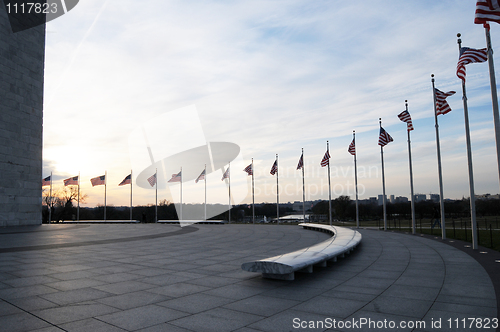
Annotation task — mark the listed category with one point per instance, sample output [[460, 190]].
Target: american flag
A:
[[301, 162], [71, 181], [442, 106], [46, 181], [274, 169], [226, 174], [201, 177], [249, 169], [405, 117], [127, 180], [352, 148], [176, 177], [487, 10], [325, 160], [384, 137], [470, 55], [152, 180], [100, 180]]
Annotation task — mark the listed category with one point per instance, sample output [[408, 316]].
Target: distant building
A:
[[401, 199], [381, 199], [392, 200], [420, 197], [487, 196], [297, 206], [434, 197]]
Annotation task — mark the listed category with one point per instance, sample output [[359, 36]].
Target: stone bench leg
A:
[[307, 269]]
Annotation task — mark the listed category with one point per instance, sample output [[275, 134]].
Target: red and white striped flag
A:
[[352, 148], [470, 55], [226, 174], [98, 181], [46, 181], [176, 177], [127, 180], [384, 137], [249, 169], [274, 169], [487, 10], [152, 180], [71, 181], [405, 117], [301, 162], [442, 106], [201, 177], [326, 159]]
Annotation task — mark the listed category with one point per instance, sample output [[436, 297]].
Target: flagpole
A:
[[277, 193], [156, 195], [131, 194], [50, 199], [105, 181], [356, 179], [303, 189], [329, 188], [229, 204], [384, 200], [413, 221], [205, 171], [440, 172], [78, 207], [181, 194], [253, 197], [494, 97], [469, 159]]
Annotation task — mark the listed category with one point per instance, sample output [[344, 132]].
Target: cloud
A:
[[272, 77]]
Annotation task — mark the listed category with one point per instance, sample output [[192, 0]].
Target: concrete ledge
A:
[[343, 241]]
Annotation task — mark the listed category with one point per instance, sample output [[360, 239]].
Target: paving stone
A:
[[133, 300], [75, 296], [73, 312], [217, 320], [195, 303], [21, 322], [142, 317]]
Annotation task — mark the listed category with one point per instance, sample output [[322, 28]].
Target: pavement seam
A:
[[32, 314]]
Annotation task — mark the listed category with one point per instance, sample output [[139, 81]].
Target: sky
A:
[[272, 77]]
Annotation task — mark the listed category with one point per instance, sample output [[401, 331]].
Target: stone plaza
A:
[[152, 277]]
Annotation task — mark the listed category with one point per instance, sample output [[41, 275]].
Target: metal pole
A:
[[384, 201], [469, 160], [494, 96], [205, 192], [181, 194], [356, 179], [440, 172], [413, 222], [131, 180], [329, 188], [105, 181], [229, 205], [78, 208], [156, 195], [277, 194], [253, 197], [303, 189], [50, 199]]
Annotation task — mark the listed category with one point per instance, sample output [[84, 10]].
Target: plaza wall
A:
[[21, 104]]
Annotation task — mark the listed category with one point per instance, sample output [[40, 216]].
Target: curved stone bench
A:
[[343, 241]]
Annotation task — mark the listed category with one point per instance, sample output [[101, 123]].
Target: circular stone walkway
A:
[[166, 278]]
